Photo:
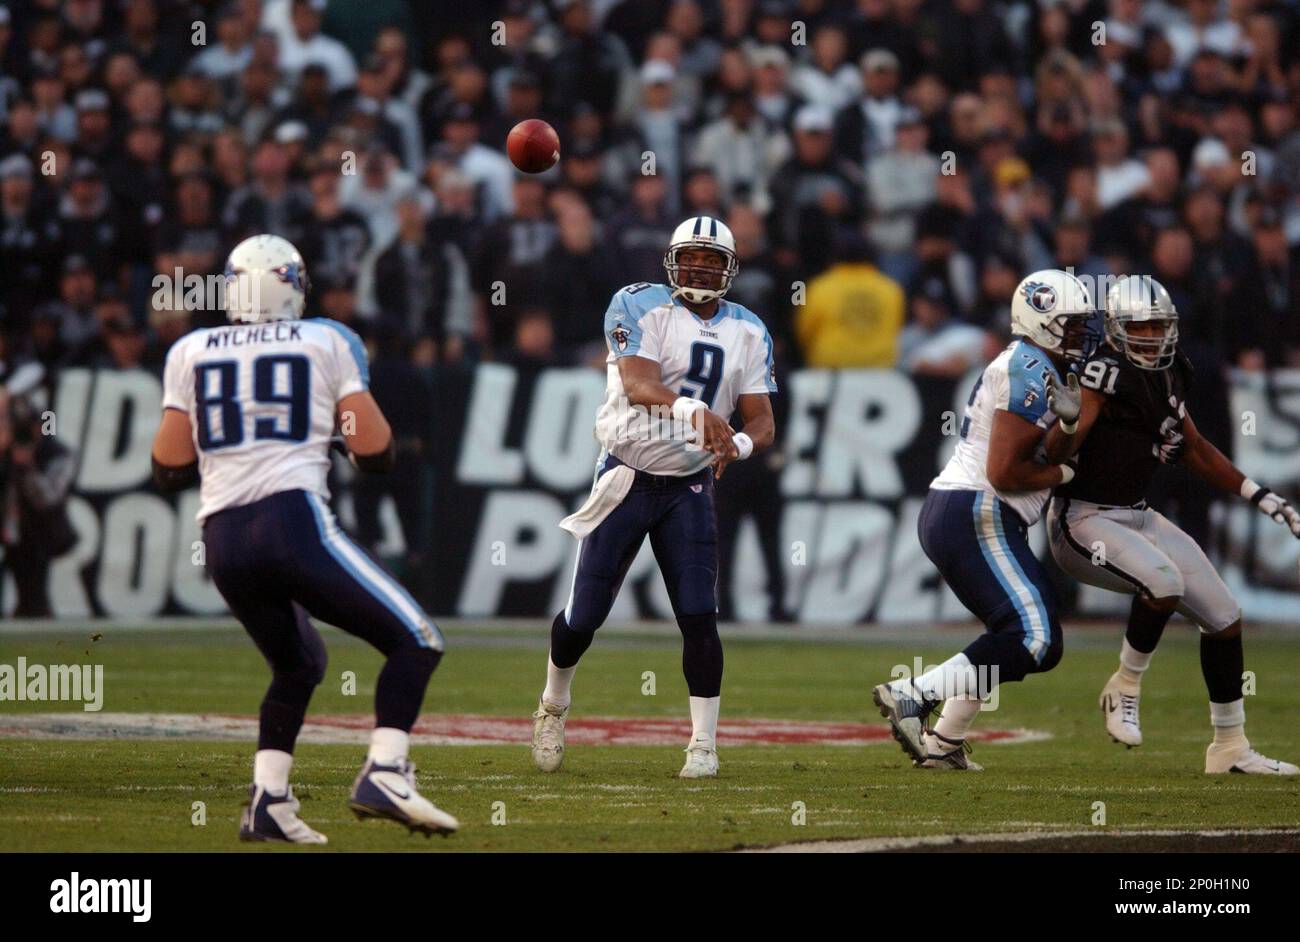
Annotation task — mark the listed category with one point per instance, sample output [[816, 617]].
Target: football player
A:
[[249, 412], [681, 360], [975, 520], [1129, 417]]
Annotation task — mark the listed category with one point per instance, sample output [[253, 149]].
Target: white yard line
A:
[[868, 845]]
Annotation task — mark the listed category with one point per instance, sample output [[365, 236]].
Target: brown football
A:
[[533, 146]]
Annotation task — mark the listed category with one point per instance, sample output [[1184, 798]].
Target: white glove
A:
[[1066, 401], [1272, 505]]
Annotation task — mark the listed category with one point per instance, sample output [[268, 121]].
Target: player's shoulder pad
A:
[[634, 301], [351, 340], [1027, 372], [744, 315]]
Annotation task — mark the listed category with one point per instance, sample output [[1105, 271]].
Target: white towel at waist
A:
[[605, 496]]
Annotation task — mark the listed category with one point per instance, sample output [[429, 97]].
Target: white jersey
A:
[[1016, 382], [262, 400], [716, 361]]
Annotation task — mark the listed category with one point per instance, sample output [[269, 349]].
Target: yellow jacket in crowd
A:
[[851, 318]]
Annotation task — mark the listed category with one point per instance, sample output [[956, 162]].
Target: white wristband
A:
[[1067, 474], [1069, 428], [684, 408], [744, 445], [1249, 489]]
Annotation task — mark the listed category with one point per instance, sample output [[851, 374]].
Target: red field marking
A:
[[467, 729]]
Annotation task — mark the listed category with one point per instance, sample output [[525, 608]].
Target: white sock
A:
[[958, 714], [559, 680], [954, 677], [271, 770], [388, 745], [1132, 662], [704, 717], [1229, 722]]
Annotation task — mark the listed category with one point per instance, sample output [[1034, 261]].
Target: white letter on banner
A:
[[559, 446], [484, 457], [874, 415]]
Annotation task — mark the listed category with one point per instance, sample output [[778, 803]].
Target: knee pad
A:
[[1164, 582], [1054, 653], [697, 591]]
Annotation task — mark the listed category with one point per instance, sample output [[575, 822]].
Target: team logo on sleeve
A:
[[1041, 296], [620, 335]]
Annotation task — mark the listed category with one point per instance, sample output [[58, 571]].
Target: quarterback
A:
[[249, 412], [1128, 416], [975, 520], [681, 360]]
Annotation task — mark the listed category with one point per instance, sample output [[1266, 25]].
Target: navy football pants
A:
[[282, 558], [677, 513], [981, 547]]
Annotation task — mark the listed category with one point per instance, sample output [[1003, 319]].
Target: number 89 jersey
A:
[[262, 400], [715, 361], [1139, 428]]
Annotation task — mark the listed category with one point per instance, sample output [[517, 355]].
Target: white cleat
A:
[[1119, 705], [388, 791], [1242, 758], [701, 759], [548, 735], [947, 754]]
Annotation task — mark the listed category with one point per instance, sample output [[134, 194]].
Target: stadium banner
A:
[[514, 453]]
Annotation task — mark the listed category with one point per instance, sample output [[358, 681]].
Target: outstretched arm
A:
[[1213, 467]]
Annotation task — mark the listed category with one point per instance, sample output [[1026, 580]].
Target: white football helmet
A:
[[1053, 309], [266, 280], [702, 232], [1142, 299]]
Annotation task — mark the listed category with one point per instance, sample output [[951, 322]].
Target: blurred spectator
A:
[[487, 168], [743, 151], [813, 193], [337, 237], [853, 313], [422, 287], [900, 183], [659, 126], [270, 201], [640, 233], [305, 44], [36, 472], [508, 267], [580, 278], [865, 127], [827, 77], [934, 343]]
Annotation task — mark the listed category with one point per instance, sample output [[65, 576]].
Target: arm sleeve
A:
[[760, 375], [626, 330], [178, 381]]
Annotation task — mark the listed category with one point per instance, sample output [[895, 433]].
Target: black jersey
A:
[[1140, 427]]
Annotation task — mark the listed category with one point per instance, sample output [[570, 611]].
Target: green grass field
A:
[[137, 795]]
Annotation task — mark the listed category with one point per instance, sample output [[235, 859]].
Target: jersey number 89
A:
[[281, 380]]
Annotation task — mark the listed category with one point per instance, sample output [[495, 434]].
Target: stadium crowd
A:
[[890, 168]]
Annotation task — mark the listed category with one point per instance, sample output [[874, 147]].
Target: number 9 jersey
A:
[[262, 400], [716, 361]]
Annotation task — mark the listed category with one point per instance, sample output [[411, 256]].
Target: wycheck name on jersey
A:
[[716, 361], [271, 389]]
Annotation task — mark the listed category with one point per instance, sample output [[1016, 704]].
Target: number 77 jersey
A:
[[262, 399]]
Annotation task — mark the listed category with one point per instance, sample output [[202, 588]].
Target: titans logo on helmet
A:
[[1041, 297]]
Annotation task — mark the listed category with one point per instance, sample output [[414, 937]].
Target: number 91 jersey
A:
[[1140, 427], [262, 400], [715, 361]]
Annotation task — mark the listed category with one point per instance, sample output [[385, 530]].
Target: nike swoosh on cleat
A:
[[390, 790]]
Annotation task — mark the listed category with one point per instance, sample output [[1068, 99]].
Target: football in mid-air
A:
[[533, 146]]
